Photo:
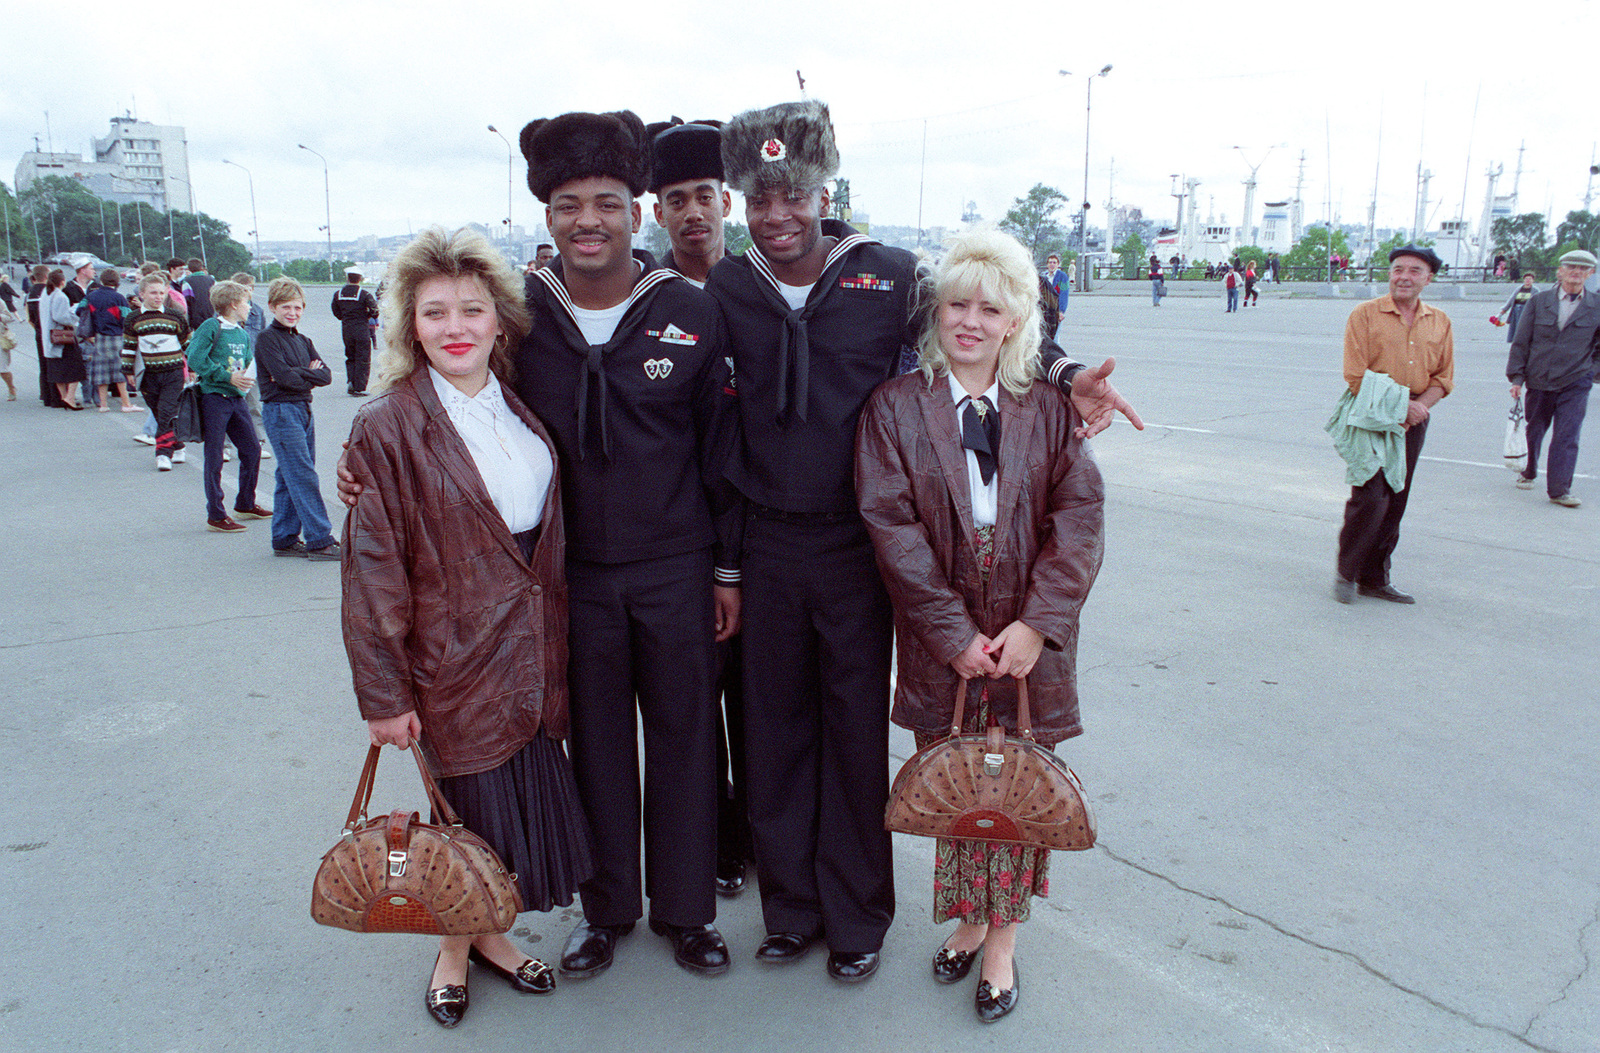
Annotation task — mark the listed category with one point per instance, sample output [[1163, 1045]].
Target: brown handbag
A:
[[995, 787], [64, 337], [396, 873]]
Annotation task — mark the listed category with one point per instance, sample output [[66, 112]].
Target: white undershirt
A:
[[514, 463], [599, 326], [796, 295], [985, 499]]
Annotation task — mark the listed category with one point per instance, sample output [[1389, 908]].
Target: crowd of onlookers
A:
[[186, 337]]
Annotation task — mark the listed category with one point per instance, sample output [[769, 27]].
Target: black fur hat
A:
[[680, 151], [788, 145], [578, 145]]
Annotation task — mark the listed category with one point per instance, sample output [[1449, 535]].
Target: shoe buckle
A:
[[397, 863]]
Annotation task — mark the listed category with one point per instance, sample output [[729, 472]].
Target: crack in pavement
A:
[[1583, 971], [162, 628], [1356, 959]]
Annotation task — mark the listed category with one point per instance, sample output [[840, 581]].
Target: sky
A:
[[959, 103]]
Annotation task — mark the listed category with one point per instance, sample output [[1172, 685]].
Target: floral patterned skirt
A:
[[980, 882]]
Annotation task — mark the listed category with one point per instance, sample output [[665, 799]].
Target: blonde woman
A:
[[985, 514]]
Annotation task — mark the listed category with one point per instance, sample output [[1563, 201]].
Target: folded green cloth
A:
[[1368, 430]]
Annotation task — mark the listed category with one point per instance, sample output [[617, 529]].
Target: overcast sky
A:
[[398, 97]]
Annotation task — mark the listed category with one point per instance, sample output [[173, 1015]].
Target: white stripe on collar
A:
[[845, 245], [644, 285]]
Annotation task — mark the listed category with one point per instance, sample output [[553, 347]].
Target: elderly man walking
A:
[[1553, 355], [1410, 342]]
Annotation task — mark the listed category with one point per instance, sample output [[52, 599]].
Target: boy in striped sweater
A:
[[157, 333]]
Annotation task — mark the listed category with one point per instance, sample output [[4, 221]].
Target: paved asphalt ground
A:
[[1364, 828]]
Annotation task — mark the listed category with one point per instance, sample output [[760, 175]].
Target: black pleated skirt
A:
[[527, 810]]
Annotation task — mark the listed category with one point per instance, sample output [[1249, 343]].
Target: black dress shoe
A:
[[730, 876], [1344, 590], [783, 947], [590, 948], [531, 977], [698, 948], [952, 966], [1386, 592], [852, 967], [991, 1004], [447, 1004]]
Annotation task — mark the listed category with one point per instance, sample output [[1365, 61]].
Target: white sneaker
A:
[[163, 463], [179, 456], [148, 440], [1566, 501], [266, 451]]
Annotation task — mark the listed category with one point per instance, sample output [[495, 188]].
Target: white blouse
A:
[[985, 499], [514, 462]]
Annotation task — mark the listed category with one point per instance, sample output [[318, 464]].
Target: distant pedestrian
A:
[[103, 356], [1512, 311], [38, 287], [1158, 282], [1272, 267], [1061, 287], [287, 368], [1250, 294], [196, 289], [1230, 282], [1553, 356], [356, 310], [65, 360]]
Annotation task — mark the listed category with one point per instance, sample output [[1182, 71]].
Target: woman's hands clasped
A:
[[1012, 653]]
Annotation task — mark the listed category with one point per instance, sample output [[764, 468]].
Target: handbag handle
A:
[[1024, 716], [369, 777]]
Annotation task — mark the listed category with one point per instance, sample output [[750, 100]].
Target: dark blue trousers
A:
[[1561, 413]]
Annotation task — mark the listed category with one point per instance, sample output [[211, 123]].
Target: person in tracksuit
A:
[[356, 309], [818, 315]]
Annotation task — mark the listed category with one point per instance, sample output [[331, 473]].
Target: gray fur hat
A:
[[789, 145], [578, 145]]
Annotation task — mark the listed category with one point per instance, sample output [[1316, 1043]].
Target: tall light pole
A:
[[254, 222], [511, 177], [1083, 211], [327, 201]]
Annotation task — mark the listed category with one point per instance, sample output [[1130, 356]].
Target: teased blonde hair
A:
[[993, 266], [435, 254]]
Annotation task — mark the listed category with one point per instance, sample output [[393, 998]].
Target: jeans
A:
[[297, 501], [223, 418], [1565, 410], [1233, 298]]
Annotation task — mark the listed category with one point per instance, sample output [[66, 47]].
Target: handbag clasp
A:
[[397, 863], [992, 763]]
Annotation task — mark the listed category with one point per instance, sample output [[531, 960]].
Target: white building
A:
[[1278, 222], [136, 162]]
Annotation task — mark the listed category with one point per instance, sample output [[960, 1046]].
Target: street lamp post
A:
[[254, 222], [105, 246], [327, 201], [1083, 212], [511, 177]]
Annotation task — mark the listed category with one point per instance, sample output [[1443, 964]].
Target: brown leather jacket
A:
[[911, 479], [441, 612]]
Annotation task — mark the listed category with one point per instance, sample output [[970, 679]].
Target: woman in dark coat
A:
[[984, 508], [37, 290], [455, 613]]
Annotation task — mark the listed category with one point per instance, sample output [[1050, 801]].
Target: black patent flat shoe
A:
[[952, 966], [447, 1004], [531, 977], [991, 1004]]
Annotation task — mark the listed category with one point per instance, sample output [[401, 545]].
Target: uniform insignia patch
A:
[[867, 281], [673, 335], [657, 368], [773, 150]]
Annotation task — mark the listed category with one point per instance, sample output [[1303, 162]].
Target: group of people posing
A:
[[575, 492]]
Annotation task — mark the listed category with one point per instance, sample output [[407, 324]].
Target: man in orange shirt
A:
[[1411, 342]]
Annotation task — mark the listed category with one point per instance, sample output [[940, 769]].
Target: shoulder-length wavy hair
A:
[[994, 266], [435, 254]]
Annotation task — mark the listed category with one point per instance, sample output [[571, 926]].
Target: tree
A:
[[305, 270], [1252, 254], [1133, 252], [1311, 252], [735, 237], [1031, 220], [71, 219], [1581, 227], [1519, 236], [657, 242]]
